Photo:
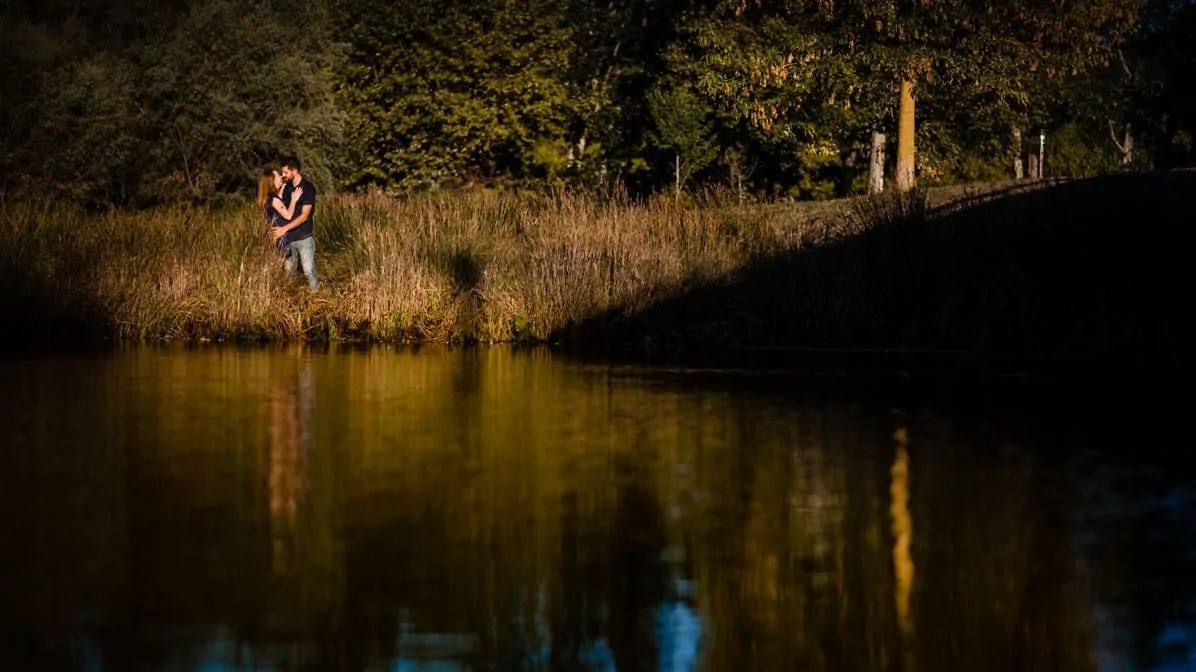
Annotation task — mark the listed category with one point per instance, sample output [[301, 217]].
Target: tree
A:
[[1141, 105], [181, 101], [230, 91], [617, 53], [28, 56], [683, 126], [154, 100], [783, 60], [441, 93]]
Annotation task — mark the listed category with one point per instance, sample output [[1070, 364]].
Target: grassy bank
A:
[[1091, 270], [461, 267], [1081, 268]]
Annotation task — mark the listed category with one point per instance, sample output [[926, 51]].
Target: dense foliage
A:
[[136, 102]]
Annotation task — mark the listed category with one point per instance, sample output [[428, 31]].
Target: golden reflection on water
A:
[[902, 530], [364, 509], [289, 401]]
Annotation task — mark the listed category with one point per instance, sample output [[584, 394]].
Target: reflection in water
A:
[[290, 401], [490, 509], [902, 527]]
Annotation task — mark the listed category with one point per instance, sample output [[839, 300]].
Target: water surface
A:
[[285, 509]]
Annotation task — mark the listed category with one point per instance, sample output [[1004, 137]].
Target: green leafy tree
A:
[[683, 126], [183, 101], [89, 136], [784, 64], [231, 90], [1140, 106], [142, 101], [776, 102], [29, 53], [442, 93], [617, 50]]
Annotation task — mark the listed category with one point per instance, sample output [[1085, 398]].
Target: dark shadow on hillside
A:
[[1085, 271]]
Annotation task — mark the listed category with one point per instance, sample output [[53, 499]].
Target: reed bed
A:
[[461, 267], [1092, 267]]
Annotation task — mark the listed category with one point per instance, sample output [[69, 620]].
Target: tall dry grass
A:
[[461, 267], [1016, 270]]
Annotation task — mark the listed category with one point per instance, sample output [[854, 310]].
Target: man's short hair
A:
[[292, 162]]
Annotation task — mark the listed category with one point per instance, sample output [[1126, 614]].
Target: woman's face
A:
[[277, 180]]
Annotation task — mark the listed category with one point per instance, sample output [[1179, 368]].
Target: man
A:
[[300, 230]]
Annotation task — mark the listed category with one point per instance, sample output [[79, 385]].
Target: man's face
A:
[[288, 174]]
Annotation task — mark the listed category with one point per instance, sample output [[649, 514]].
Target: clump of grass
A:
[[891, 211]]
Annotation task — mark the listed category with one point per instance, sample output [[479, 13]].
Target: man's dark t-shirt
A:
[[308, 197], [287, 190]]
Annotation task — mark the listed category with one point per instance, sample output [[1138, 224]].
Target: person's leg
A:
[[290, 264], [305, 250]]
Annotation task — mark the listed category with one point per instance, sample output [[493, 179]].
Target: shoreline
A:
[[974, 273]]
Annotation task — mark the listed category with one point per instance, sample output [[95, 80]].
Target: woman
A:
[[278, 213]]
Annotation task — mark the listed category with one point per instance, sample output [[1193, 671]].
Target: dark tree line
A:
[[136, 102]]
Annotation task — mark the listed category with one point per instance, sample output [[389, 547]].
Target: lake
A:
[[496, 508]]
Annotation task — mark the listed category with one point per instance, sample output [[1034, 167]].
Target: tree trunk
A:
[[1033, 166], [876, 164], [848, 156], [1127, 148], [677, 177], [1042, 156], [1018, 173], [1125, 145], [905, 138], [576, 159]]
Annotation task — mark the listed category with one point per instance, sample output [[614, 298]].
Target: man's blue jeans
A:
[[304, 252]]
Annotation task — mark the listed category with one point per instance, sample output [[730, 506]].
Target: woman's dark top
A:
[[275, 218]]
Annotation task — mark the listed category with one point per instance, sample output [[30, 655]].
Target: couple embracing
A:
[[289, 203]]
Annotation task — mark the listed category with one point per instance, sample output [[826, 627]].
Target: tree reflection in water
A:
[[492, 509], [902, 531], [291, 400]]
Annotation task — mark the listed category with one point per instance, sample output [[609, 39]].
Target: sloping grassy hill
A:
[[1095, 268]]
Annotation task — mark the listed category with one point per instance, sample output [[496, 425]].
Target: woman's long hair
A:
[[265, 189]]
